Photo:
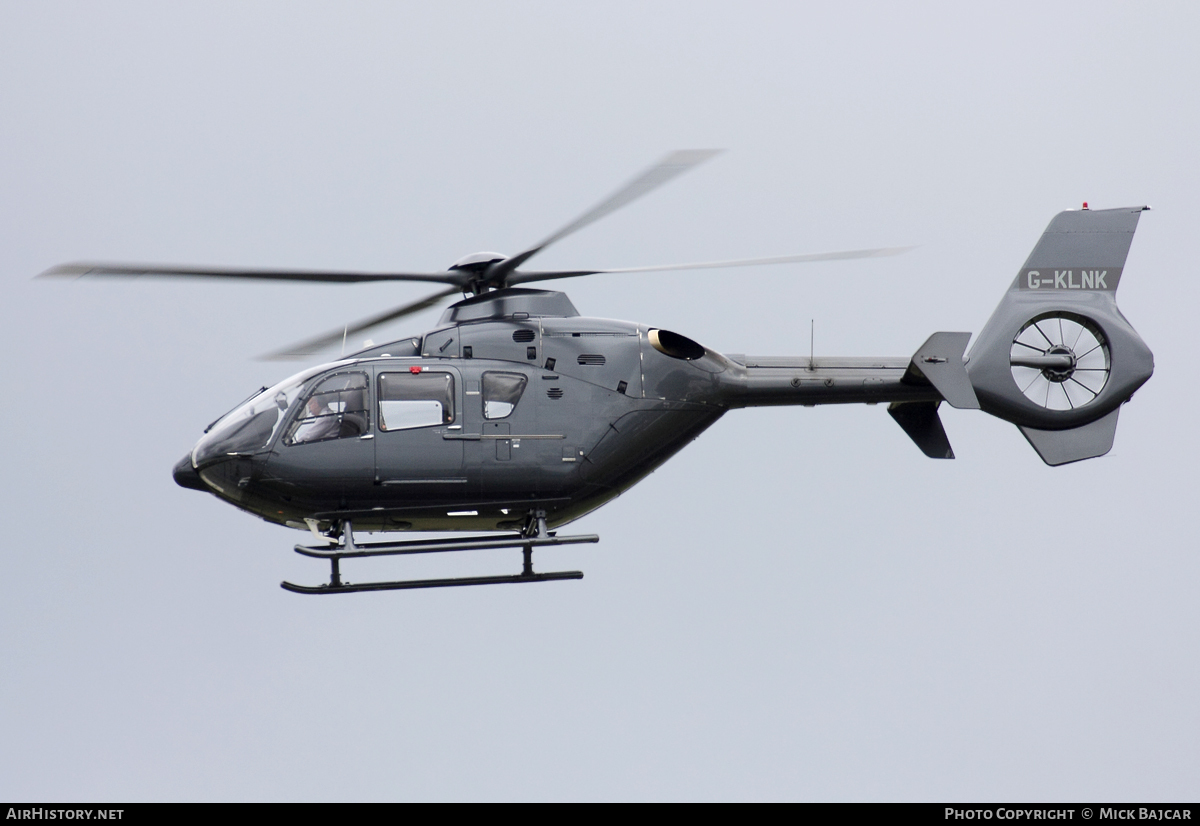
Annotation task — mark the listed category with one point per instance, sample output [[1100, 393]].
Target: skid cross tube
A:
[[534, 535]]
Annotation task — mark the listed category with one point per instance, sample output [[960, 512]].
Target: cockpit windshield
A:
[[252, 425]]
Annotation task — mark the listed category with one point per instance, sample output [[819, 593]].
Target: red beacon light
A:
[[1085, 206]]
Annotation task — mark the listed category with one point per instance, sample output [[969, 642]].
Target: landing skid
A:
[[535, 535]]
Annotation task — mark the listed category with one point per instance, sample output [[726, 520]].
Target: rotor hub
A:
[[477, 262], [1061, 374]]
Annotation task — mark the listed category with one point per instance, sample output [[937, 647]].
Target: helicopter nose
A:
[[186, 475]]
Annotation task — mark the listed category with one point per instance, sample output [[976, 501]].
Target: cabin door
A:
[[418, 445], [500, 408]]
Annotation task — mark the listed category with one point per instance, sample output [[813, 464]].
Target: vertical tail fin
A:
[[1057, 358]]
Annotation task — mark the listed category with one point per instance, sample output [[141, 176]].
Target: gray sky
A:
[[799, 605]]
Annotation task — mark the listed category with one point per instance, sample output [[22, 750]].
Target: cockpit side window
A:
[[335, 409], [501, 392], [410, 400]]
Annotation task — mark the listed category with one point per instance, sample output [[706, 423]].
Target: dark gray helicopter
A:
[[517, 415]]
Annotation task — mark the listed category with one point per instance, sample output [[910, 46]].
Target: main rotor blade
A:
[[83, 268], [314, 345], [671, 166], [526, 277]]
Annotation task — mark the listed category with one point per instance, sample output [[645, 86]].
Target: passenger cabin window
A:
[[335, 409], [408, 400], [501, 392]]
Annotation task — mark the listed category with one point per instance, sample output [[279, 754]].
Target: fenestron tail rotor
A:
[[1060, 361]]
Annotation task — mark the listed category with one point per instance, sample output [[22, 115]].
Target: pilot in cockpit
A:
[[320, 422]]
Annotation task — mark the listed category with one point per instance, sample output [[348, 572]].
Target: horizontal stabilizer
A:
[[939, 361], [921, 422], [1059, 447]]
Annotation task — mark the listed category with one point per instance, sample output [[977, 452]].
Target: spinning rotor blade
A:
[[671, 166], [311, 346], [83, 268], [526, 277]]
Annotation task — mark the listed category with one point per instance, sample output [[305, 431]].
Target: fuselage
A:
[[513, 403]]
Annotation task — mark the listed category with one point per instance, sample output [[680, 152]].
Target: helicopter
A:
[[517, 415]]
